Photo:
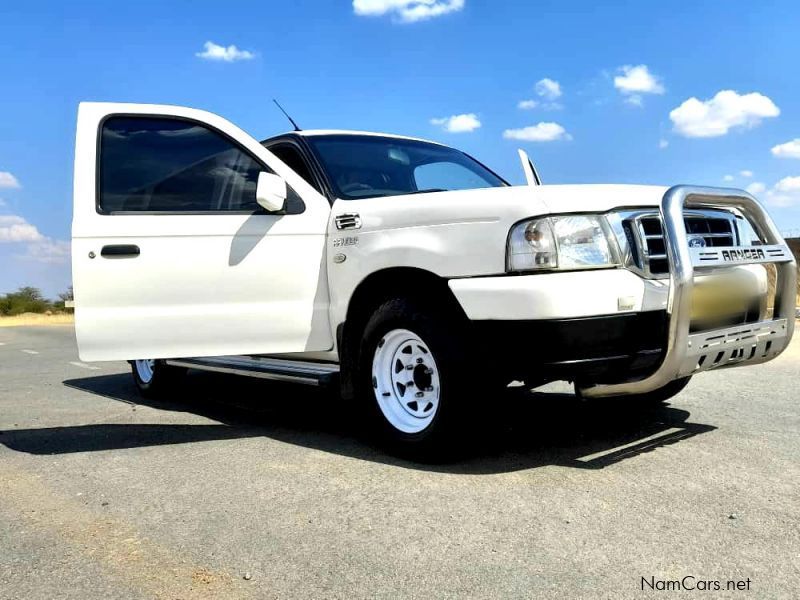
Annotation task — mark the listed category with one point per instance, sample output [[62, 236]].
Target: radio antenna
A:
[[291, 120]]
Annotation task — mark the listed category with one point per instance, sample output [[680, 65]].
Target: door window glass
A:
[[294, 160], [150, 164]]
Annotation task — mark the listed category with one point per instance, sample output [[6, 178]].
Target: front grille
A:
[[653, 246], [709, 229]]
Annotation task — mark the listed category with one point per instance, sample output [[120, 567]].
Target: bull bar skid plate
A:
[[687, 354]]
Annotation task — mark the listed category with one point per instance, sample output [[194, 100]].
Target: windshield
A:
[[361, 166]]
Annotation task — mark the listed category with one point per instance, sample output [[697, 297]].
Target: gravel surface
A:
[[249, 489]]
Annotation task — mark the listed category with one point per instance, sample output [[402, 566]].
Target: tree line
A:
[[28, 299]]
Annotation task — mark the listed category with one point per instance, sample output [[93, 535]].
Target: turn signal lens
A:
[[532, 246]]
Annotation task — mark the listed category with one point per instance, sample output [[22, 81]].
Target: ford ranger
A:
[[404, 271]]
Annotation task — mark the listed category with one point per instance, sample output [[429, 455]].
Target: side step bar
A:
[[295, 371]]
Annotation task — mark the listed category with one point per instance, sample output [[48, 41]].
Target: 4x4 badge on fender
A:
[[345, 241]]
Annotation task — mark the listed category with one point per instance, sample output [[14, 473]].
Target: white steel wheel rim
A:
[[405, 380], [145, 369]]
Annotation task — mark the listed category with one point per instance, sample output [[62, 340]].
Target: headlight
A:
[[567, 243]]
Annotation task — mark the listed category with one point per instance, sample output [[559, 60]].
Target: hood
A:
[[507, 204], [597, 198]]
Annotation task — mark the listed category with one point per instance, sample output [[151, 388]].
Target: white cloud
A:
[[47, 251], [728, 178], [636, 81], [662, 143], [542, 132], [548, 89], [407, 11], [787, 150], [784, 193], [725, 111], [788, 184], [16, 229], [756, 188], [7, 180], [458, 123], [746, 173], [222, 53]]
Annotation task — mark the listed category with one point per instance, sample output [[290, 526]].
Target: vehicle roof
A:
[[324, 132]]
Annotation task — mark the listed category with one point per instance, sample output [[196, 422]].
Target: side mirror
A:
[[271, 192]]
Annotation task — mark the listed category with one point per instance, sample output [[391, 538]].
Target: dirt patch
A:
[[37, 319], [205, 576], [117, 546]]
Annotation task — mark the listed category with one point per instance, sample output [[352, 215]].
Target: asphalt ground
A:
[[239, 488]]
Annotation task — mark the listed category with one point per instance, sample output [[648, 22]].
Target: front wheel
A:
[[154, 378], [411, 374]]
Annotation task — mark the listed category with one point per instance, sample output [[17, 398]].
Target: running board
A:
[[295, 371]]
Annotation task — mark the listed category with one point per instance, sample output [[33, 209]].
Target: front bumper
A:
[[685, 350], [570, 295], [602, 348]]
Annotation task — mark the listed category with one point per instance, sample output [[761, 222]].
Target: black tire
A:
[[164, 380], [444, 337], [662, 394]]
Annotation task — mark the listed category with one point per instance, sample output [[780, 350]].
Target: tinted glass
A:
[[169, 165], [360, 166], [446, 175], [294, 160]]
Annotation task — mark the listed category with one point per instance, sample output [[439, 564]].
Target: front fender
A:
[[447, 250]]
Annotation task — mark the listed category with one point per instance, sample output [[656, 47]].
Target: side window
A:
[[150, 164], [446, 176], [294, 160]]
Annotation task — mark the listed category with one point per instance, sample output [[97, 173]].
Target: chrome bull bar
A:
[[687, 354]]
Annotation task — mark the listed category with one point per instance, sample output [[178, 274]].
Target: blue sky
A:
[[608, 89]]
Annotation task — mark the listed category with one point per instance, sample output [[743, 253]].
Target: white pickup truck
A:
[[404, 271]]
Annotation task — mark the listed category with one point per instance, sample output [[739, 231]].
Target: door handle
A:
[[120, 251]]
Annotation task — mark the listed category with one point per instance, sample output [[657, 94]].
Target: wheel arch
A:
[[371, 292]]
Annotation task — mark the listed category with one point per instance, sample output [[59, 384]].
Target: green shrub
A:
[[24, 300]]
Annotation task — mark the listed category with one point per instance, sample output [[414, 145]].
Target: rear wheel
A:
[[411, 378], [154, 378]]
